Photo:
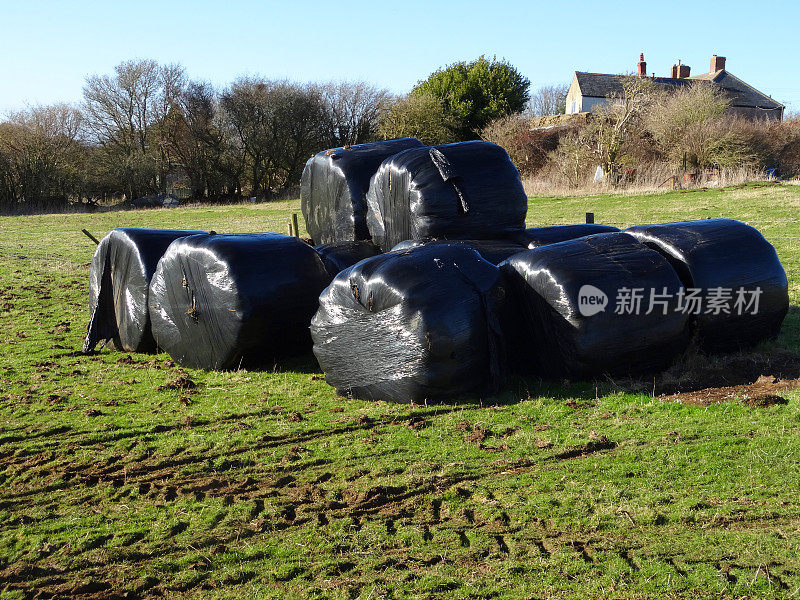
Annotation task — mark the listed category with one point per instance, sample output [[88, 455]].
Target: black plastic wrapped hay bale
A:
[[413, 326], [465, 191], [225, 301], [338, 256], [541, 236], [731, 264], [494, 251], [568, 296], [334, 185], [119, 278]]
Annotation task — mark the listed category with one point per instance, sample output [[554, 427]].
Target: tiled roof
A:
[[602, 85]]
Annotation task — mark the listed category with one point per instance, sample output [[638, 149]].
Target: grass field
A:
[[117, 481]]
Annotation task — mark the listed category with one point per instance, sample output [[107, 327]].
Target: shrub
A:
[[421, 116], [528, 149], [477, 92]]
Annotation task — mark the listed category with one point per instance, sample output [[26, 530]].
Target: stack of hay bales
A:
[[426, 285]]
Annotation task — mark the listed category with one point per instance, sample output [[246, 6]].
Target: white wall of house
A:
[[573, 97], [584, 104], [577, 103]]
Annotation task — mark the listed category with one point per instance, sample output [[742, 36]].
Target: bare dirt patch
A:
[[764, 391]]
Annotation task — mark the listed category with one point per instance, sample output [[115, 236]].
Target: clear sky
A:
[[47, 48]]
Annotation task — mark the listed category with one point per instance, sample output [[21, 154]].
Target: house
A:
[[589, 90]]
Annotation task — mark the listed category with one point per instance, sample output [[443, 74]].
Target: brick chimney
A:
[[717, 63], [680, 71], [643, 66]]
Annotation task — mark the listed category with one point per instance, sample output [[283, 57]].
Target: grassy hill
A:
[[116, 480]]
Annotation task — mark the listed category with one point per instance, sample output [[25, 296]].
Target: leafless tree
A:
[[548, 100], [125, 114], [618, 117], [202, 142], [354, 108], [689, 121], [279, 124]]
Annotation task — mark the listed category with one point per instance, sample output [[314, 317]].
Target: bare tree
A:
[[279, 124], [201, 140], [353, 110], [549, 100], [618, 117], [125, 114], [304, 118]]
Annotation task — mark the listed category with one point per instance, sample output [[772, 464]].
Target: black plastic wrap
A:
[[423, 324], [225, 301], [119, 277], [727, 254], [465, 191], [334, 185], [541, 236], [494, 251], [338, 256], [561, 337]]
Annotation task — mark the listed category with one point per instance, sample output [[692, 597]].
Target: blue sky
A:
[[48, 48]]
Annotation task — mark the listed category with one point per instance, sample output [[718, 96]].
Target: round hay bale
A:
[[541, 236], [338, 256], [466, 191], [494, 251], [119, 279], [334, 184], [225, 301], [741, 285], [412, 326], [577, 308]]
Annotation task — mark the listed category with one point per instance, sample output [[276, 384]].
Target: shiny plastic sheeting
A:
[[224, 301], [494, 251], [338, 256], [568, 295], [465, 191], [413, 326], [730, 262], [334, 185], [541, 236], [119, 277]]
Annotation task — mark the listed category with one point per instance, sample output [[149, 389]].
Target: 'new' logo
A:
[[591, 300]]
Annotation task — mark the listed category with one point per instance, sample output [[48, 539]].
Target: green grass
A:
[[266, 484]]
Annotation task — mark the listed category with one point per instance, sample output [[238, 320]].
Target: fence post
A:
[[590, 217], [289, 228], [90, 236], [294, 224]]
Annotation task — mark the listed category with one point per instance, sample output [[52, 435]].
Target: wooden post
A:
[[289, 228], [90, 236], [590, 217], [294, 224]]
